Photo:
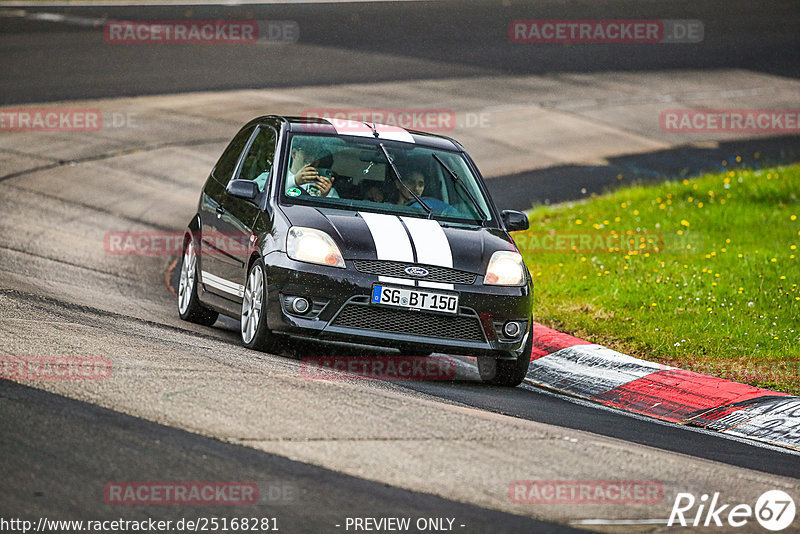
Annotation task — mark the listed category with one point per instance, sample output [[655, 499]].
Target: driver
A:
[[303, 173], [414, 181]]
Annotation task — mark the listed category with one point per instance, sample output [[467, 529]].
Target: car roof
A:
[[327, 126]]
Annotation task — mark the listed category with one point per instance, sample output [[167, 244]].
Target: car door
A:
[[239, 214], [213, 260]]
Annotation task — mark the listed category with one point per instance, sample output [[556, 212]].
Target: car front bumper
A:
[[341, 310]]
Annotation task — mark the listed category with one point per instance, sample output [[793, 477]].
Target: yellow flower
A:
[[793, 217], [685, 223], [578, 221]]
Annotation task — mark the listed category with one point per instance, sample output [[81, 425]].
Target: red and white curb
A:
[[571, 365]]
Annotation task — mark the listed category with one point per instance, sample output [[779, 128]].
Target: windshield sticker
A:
[[293, 192]]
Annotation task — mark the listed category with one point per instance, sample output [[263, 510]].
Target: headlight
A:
[[505, 269], [313, 246]]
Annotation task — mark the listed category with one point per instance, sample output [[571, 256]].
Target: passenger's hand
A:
[[324, 185], [307, 175]]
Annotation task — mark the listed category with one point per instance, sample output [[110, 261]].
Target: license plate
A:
[[414, 298]]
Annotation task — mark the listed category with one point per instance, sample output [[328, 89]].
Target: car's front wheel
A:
[[189, 306], [255, 334], [509, 373]]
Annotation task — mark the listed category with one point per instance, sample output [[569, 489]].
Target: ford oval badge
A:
[[416, 271]]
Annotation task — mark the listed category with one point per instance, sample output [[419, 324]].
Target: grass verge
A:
[[701, 274]]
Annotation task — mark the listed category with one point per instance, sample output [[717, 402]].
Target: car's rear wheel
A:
[[508, 373], [189, 306], [255, 334]]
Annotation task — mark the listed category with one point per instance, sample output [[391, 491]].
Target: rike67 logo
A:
[[774, 510]]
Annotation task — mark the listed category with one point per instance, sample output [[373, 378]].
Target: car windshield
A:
[[354, 174]]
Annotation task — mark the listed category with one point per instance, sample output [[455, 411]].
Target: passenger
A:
[[306, 158]]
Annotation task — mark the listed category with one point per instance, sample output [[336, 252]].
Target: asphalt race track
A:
[[188, 403]]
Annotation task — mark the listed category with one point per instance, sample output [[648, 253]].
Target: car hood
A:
[[373, 236]]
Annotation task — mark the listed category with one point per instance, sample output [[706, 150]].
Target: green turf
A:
[[709, 282]]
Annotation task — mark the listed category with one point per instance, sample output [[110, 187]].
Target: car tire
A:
[[507, 373], [253, 318], [189, 306]]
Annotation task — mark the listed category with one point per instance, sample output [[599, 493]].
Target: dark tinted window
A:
[[258, 161], [224, 168]]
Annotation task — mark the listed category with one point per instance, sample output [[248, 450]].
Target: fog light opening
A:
[[299, 305], [511, 329]]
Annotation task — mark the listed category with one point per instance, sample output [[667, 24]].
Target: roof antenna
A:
[[374, 131]]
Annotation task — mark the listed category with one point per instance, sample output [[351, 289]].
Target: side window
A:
[[258, 161], [224, 168]]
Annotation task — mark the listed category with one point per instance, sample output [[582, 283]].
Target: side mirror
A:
[[246, 189], [514, 221]]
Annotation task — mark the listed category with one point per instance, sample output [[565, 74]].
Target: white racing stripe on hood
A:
[[391, 242], [431, 245]]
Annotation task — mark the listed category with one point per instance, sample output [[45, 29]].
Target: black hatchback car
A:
[[359, 232]]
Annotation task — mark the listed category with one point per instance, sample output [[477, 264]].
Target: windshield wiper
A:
[[457, 180], [399, 180]]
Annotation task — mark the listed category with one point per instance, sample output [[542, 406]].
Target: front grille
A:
[[371, 317], [395, 269]]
